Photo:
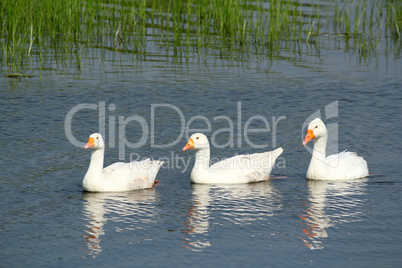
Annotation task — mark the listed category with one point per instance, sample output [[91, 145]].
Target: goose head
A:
[[315, 130], [197, 141], [95, 142]]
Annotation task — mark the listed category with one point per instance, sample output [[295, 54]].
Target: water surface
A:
[[48, 221]]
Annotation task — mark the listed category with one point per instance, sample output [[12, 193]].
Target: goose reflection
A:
[[343, 198], [214, 204], [131, 208]]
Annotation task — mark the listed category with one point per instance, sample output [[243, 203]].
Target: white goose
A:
[[237, 169], [342, 166], [119, 176]]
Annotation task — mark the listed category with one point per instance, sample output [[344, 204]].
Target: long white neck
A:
[[96, 164], [317, 165], [319, 150], [202, 158]]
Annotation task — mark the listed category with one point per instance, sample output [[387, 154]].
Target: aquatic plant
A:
[[65, 31]]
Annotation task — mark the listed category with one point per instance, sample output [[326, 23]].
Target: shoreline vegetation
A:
[[36, 34]]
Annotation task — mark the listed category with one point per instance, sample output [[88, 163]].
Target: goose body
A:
[[237, 169], [117, 177], [341, 166]]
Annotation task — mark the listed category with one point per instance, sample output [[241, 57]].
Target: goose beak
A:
[[309, 136], [90, 143], [189, 145]]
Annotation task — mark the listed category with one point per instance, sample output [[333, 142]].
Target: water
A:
[[48, 221]]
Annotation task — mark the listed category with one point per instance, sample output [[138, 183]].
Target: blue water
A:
[[46, 219]]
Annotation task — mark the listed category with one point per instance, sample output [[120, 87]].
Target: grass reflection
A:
[[34, 32]]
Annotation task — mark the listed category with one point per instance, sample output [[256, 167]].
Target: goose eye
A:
[[197, 138], [316, 126]]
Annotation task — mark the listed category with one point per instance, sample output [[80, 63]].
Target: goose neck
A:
[[96, 164], [320, 147], [202, 158]]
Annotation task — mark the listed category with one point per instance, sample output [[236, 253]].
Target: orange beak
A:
[[90, 143], [189, 145], [309, 136]]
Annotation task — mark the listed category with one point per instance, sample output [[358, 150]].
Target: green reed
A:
[[70, 29], [394, 20]]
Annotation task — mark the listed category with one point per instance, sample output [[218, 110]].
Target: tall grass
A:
[[45, 29], [394, 20]]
